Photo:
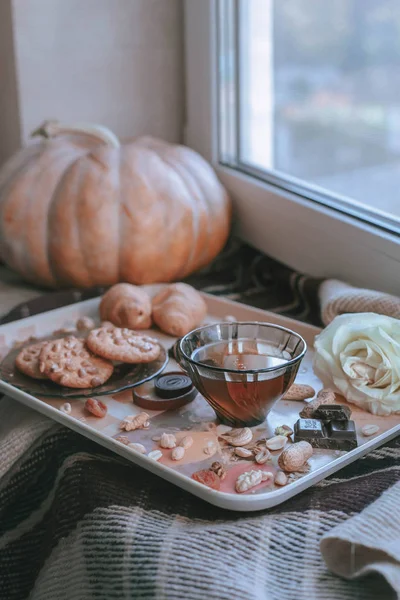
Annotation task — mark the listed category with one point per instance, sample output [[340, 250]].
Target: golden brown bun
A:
[[126, 305], [178, 309]]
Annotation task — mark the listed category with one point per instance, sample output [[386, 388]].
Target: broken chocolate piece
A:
[[332, 412], [336, 435]]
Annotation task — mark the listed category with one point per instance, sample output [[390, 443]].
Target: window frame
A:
[[310, 237]]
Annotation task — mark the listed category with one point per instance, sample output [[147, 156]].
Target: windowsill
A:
[[311, 238]]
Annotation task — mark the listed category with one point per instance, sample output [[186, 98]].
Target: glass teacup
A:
[[242, 369]]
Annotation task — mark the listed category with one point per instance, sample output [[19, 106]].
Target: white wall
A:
[[9, 117], [116, 62]]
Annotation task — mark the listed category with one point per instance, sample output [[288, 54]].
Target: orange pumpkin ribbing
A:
[[76, 211]]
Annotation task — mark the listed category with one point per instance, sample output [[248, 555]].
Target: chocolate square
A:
[[309, 428], [342, 430], [335, 435], [332, 412]]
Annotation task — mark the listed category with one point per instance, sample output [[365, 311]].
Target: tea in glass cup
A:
[[242, 369]]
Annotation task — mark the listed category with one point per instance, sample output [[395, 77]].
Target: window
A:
[[297, 103], [315, 89]]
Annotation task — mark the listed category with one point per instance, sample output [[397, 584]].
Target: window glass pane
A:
[[319, 96]]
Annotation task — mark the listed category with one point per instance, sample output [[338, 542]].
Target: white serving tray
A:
[[196, 418]]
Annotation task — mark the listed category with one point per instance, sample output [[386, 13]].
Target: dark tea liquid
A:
[[241, 397]]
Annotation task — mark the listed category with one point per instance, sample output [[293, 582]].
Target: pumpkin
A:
[[79, 208]]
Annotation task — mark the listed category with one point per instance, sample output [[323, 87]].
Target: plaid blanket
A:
[[79, 523]]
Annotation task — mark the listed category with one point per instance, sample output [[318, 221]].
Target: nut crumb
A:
[[230, 319], [238, 437], [66, 408], [284, 430], [218, 469], [281, 478], [250, 479], [276, 443], [210, 448], [137, 448], [85, 323], [298, 474], [178, 453], [155, 454], [262, 456], [122, 439], [168, 440], [96, 407], [243, 452], [186, 442], [258, 446], [369, 429], [64, 330], [132, 422], [227, 455]]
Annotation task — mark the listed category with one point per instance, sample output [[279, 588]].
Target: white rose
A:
[[359, 355]]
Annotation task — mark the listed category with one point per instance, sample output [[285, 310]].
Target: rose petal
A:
[[359, 355]]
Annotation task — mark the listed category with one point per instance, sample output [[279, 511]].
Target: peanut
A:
[[299, 391], [295, 456], [277, 442], [168, 440], [155, 454], [178, 453], [368, 430], [284, 430], [186, 442], [137, 448], [238, 437], [262, 456], [243, 452], [281, 478]]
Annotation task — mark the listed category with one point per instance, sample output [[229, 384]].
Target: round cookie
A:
[[123, 345], [27, 361], [68, 362]]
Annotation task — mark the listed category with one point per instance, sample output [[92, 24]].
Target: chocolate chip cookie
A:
[[27, 361], [123, 345], [70, 363]]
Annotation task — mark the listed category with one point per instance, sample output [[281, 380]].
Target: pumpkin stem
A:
[[50, 129]]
